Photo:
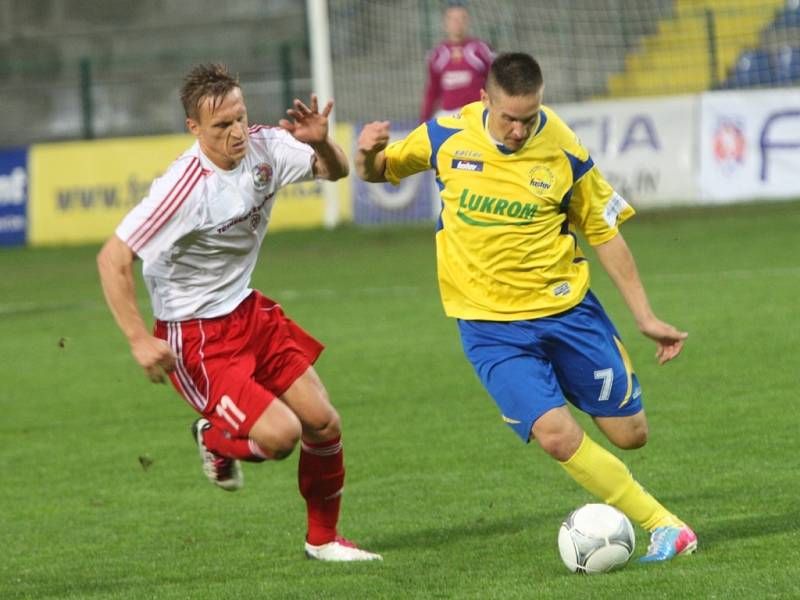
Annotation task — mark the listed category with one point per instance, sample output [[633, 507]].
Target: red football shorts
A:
[[230, 368]]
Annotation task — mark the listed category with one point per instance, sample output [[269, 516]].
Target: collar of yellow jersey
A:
[[542, 119]]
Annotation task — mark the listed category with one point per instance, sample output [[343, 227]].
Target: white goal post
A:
[[322, 86]]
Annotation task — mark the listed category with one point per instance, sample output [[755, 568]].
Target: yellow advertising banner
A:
[[80, 191]]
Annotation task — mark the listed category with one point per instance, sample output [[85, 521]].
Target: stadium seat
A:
[[789, 17], [787, 64], [753, 68]]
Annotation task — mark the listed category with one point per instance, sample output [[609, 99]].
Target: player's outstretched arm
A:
[[617, 260], [310, 126], [370, 158], [115, 264]]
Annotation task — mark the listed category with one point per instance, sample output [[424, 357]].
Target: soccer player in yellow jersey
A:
[[515, 183]]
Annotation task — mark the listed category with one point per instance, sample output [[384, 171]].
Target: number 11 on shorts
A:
[[233, 414]]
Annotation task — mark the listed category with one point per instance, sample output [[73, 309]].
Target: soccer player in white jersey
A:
[[516, 184], [230, 351]]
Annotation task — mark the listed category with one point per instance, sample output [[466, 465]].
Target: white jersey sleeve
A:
[[292, 160], [165, 215]]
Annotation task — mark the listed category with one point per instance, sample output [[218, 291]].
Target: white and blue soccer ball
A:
[[596, 538]]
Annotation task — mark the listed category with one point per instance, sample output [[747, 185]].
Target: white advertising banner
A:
[[644, 147], [750, 145]]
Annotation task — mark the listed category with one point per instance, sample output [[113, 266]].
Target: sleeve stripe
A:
[[437, 135], [579, 167], [192, 165], [440, 58], [475, 61], [172, 210], [167, 207]]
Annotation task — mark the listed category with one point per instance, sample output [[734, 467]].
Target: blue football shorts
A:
[[530, 367]]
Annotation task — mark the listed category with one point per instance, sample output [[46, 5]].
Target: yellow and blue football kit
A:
[[511, 272], [509, 266]]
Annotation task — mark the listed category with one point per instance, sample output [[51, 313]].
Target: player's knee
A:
[[639, 437], [557, 433], [283, 443], [333, 428], [283, 451], [277, 432], [559, 445], [323, 427]]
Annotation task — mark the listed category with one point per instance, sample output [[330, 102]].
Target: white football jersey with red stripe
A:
[[199, 229]]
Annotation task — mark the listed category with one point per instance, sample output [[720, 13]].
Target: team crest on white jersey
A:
[[262, 175]]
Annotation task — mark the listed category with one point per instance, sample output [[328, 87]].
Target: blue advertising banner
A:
[[415, 199], [13, 196]]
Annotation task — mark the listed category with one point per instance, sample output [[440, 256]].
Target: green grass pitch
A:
[[102, 496]]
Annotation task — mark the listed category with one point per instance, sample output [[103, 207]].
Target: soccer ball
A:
[[595, 538]]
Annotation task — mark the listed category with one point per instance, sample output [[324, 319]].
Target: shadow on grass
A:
[[456, 531], [711, 533], [724, 531]]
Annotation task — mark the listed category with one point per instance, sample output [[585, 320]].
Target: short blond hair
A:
[[206, 81]]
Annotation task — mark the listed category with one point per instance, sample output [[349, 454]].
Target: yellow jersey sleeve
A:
[[596, 209], [408, 156]]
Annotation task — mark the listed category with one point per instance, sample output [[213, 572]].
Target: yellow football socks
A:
[[605, 476]]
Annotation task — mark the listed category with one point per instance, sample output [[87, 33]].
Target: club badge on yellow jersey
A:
[[506, 243]]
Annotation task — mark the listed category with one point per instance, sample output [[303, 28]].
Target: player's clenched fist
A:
[[374, 137], [370, 160], [153, 354]]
